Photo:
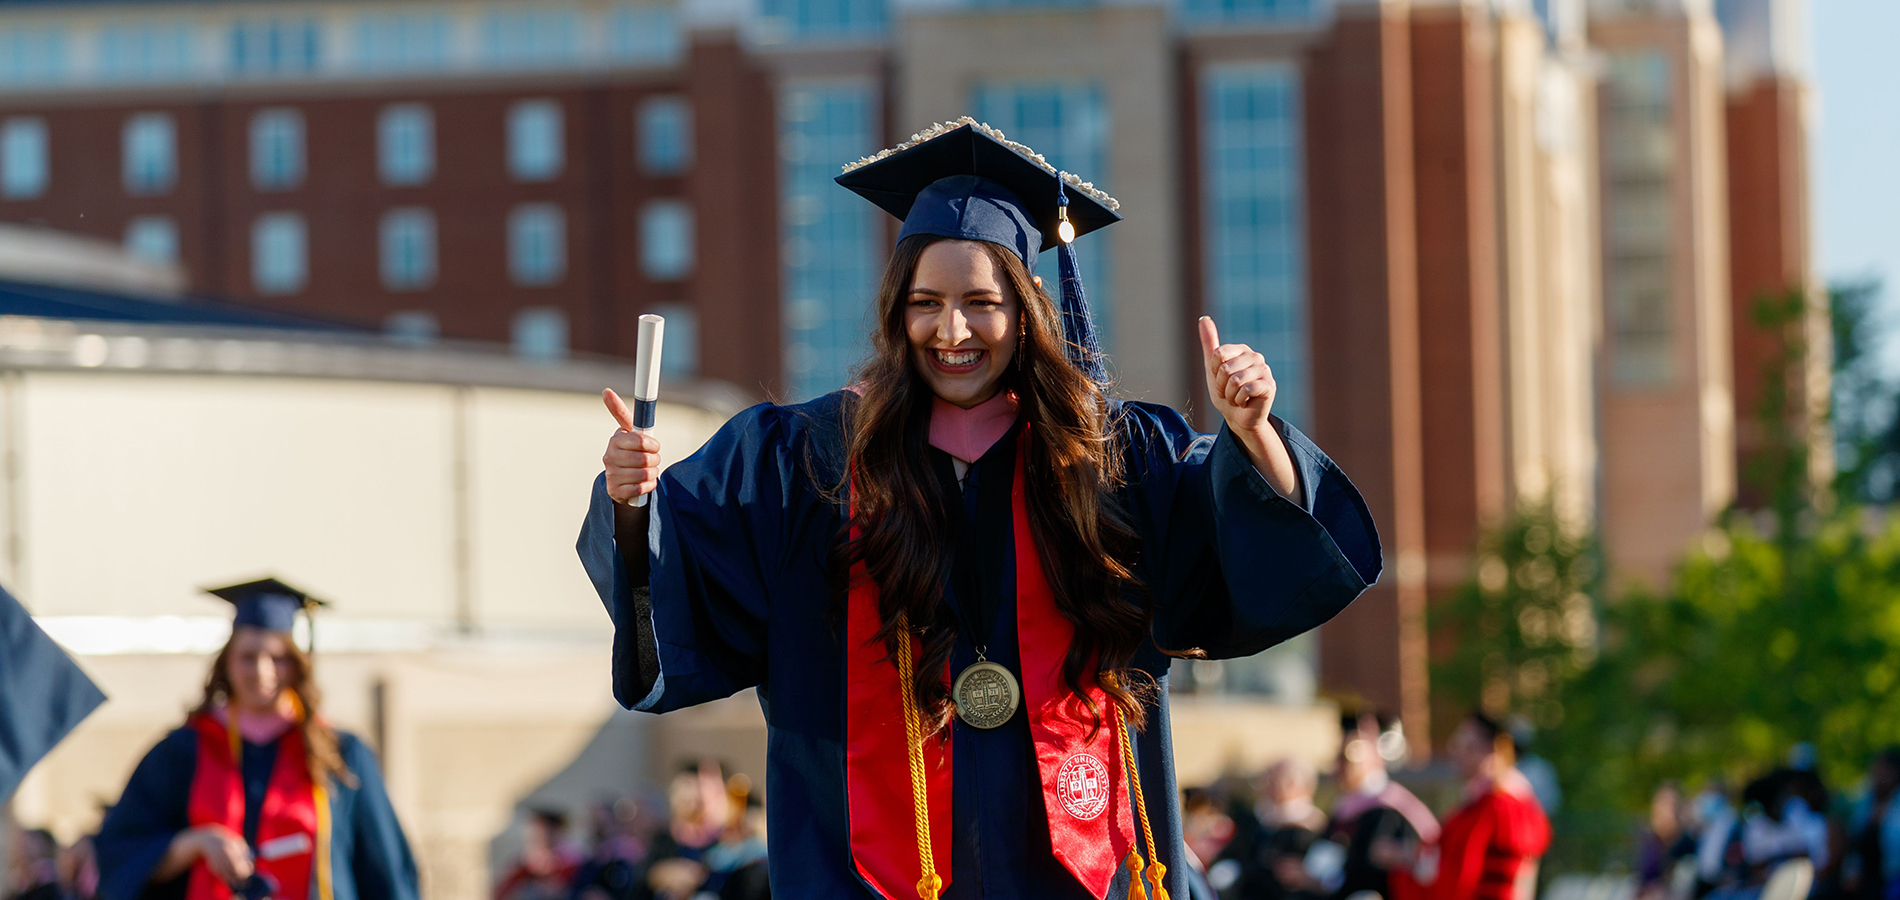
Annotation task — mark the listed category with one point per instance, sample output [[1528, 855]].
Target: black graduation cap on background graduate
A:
[[43, 694], [964, 179], [266, 603]]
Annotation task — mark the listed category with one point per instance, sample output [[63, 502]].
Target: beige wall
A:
[[438, 519], [1550, 268], [1129, 51]]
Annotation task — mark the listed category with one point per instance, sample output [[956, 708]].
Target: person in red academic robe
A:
[[1490, 846]]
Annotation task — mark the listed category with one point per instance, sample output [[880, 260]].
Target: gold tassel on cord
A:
[[1133, 862]]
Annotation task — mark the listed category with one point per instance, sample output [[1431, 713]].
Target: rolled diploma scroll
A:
[[646, 379]]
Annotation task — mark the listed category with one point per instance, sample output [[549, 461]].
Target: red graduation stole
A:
[[291, 826], [1084, 786]]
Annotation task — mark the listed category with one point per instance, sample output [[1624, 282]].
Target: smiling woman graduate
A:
[[256, 796], [957, 584]]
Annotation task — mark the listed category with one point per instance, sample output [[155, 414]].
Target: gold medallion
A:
[[986, 694]]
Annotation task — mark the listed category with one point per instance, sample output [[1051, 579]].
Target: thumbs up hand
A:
[[632, 460], [1238, 380], [1241, 385]]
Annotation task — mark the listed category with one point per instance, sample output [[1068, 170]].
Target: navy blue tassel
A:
[[1078, 324]]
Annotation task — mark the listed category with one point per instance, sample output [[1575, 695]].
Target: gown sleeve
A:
[[139, 828], [383, 867], [1233, 566], [692, 628]]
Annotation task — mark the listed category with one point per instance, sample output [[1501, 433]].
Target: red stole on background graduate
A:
[[1084, 779], [289, 826]]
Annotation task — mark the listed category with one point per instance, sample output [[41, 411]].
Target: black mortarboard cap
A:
[[43, 694], [964, 179], [265, 603]]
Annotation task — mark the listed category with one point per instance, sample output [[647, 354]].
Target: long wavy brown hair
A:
[[320, 749], [1083, 537]]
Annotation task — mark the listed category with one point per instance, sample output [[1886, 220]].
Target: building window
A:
[[665, 135], [1291, 11], [32, 55], [529, 37], [666, 240], [147, 51], [826, 19], [537, 244], [277, 161], [681, 357], [23, 160], [412, 326], [402, 41], [540, 334], [1638, 164], [831, 246], [275, 46], [405, 144], [151, 153], [153, 239], [644, 35], [535, 145], [408, 249], [1067, 122], [280, 262], [1254, 249]]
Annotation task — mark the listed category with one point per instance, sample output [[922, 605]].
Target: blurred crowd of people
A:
[[1269, 839], [43, 869], [709, 845], [1711, 844]]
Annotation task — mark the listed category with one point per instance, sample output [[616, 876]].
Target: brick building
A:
[[1496, 250]]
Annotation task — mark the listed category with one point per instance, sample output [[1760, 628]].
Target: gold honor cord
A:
[[320, 798], [1156, 870], [930, 885]]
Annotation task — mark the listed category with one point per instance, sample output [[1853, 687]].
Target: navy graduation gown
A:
[[370, 858], [739, 592]]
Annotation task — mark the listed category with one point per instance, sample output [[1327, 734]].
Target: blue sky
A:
[[1856, 154]]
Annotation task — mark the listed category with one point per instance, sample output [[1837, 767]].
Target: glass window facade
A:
[[531, 36], [1253, 256], [408, 249], [31, 55], [827, 19], [1273, 11], [287, 46], [405, 144], [149, 153], [540, 334], [537, 244], [830, 249], [666, 240], [644, 35], [664, 132], [153, 239], [1067, 122], [402, 41], [1638, 166], [147, 51], [536, 150], [277, 157], [23, 159], [280, 262], [1254, 225]]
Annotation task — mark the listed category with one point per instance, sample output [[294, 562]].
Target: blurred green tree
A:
[[1781, 626]]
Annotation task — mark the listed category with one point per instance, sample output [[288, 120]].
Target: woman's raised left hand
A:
[[1238, 381]]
